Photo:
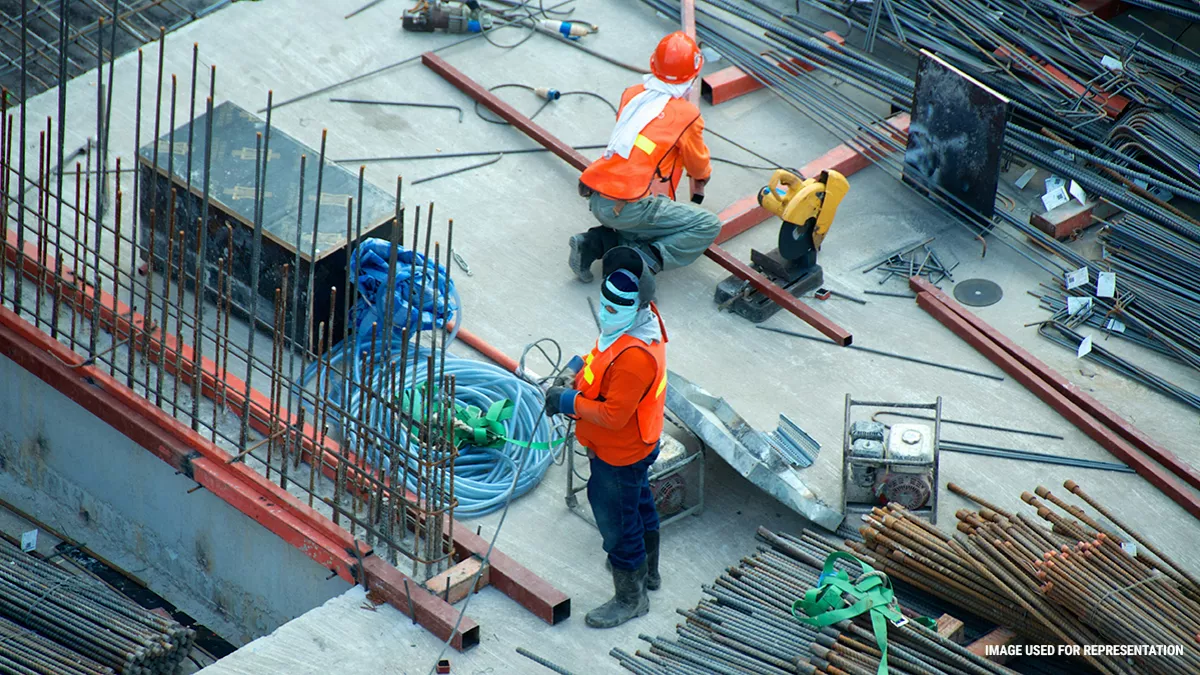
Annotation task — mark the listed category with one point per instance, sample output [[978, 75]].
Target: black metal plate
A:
[[955, 137], [978, 292]]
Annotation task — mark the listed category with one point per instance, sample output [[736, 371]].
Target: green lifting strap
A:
[[479, 428], [823, 605]]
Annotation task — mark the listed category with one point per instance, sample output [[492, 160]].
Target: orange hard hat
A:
[[676, 59]]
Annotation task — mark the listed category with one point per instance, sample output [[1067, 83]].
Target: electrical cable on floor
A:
[[513, 24], [550, 96]]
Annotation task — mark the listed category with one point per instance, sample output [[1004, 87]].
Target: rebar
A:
[[48, 616], [130, 317]]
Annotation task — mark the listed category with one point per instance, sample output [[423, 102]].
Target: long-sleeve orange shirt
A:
[[624, 384], [694, 151]]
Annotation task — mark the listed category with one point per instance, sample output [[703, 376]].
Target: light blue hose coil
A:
[[482, 476]]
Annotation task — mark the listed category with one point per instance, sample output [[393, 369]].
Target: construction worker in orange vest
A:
[[617, 395], [631, 188]]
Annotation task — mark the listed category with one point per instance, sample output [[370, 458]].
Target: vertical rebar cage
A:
[[167, 288]]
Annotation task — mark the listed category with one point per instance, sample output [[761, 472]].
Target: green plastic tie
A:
[[479, 428], [825, 606]]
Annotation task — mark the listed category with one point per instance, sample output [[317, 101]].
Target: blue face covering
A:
[[618, 307]]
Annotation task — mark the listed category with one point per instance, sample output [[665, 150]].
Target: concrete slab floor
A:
[[513, 219]]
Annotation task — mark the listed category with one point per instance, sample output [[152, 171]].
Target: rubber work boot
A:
[[581, 258], [628, 602], [653, 580]]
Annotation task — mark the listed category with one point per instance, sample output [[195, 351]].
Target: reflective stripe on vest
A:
[[633, 178], [650, 408]]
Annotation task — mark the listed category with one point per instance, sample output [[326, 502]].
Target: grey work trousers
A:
[[678, 231]]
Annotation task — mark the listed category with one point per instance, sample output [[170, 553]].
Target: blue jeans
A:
[[624, 509]]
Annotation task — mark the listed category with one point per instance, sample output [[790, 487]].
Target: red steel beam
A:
[[1036, 380], [506, 112], [161, 348], [200, 460], [779, 296], [1066, 388], [1113, 105], [730, 83], [846, 159], [553, 144], [1102, 9]]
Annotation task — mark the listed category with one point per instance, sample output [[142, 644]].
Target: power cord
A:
[[547, 95], [503, 516]]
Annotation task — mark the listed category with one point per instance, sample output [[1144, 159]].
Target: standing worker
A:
[[631, 189], [617, 395]]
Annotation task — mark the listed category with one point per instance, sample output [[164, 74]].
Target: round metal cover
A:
[[978, 292]]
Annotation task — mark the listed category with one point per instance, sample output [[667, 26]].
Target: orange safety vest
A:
[[649, 413], [646, 171]]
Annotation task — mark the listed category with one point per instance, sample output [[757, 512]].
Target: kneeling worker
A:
[[631, 189], [617, 396]]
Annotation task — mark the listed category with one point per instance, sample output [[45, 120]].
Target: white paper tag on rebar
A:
[[1078, 305], [1130, 548], [1069, 156], [1112, 63], [1078, 193], [1077, 278], [1106, 285], [1025, 178], [1085, 347], [1054, 199], [1115, 326], [29, 541], [1054, 182]]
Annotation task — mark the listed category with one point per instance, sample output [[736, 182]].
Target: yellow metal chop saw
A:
[[807, 207]]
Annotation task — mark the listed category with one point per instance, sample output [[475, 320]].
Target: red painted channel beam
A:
[[730, 83], [506, 112], [846, 159], [1154, 463], [1113, 105], [572, 157], [1102, 9]]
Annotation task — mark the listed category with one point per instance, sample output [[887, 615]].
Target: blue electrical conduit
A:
[[483, 476]]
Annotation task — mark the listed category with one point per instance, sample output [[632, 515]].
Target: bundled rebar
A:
[[1072, 581], [52, 622], [746, 625]]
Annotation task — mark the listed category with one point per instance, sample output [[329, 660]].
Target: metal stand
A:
[[662, 470], [930, 511]]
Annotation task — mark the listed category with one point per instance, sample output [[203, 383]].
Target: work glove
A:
[[567, 376], [560, 401], [698, 190]]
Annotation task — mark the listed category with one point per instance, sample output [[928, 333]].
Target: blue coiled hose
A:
[[483, 476]]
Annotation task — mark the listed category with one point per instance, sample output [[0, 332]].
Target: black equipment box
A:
[[164, 168]]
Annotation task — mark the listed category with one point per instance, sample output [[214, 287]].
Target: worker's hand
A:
[[567, 376], [560, 400], [698, 190]]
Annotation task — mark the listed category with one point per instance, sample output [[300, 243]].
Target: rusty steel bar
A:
[[1161, 470]]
